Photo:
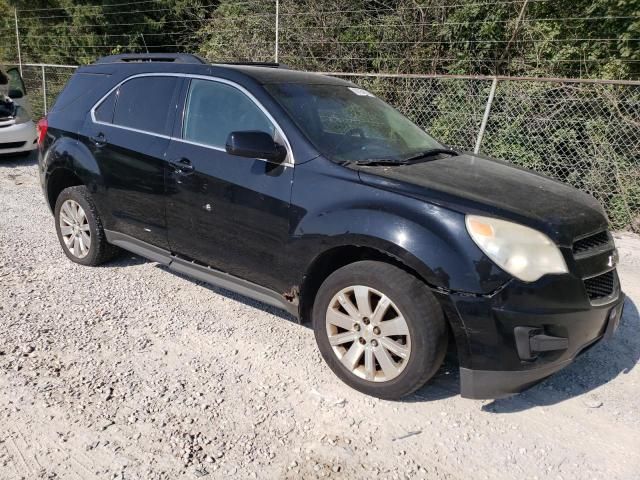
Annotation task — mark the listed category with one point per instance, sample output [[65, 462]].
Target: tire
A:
[[422, 339], [85, 219]]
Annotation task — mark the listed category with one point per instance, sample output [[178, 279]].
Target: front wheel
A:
[[379, 329]]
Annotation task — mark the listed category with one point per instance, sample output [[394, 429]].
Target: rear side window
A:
[[104, 112], [80, 85], [215, 109], [145, 104]]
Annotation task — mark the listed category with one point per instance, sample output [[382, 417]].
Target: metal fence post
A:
[[44, 89], [15, 16], [485, 118], [277, 28]]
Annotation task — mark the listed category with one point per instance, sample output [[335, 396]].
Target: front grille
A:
[[589, 243], [601, 286], [11, 145]]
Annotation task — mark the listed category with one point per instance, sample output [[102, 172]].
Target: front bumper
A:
[[487, 384], [18, 138], [492, 362]]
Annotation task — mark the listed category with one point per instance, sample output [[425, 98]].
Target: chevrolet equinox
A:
[[311, 194]]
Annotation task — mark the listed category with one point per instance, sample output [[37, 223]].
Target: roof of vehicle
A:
[[263, 73]]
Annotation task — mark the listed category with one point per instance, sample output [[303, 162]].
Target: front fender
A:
[[437, 250], [430, 239]]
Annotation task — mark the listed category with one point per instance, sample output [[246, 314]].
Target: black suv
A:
[[309, 193]]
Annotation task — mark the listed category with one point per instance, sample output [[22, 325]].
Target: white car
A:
[[18, 133]]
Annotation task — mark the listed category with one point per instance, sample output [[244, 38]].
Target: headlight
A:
[[22, 116], [523, 252]]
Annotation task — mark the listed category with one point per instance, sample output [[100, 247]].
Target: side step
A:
[[201, 272]]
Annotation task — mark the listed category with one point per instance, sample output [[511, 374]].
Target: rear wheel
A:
[[379, 329], [80, 229]]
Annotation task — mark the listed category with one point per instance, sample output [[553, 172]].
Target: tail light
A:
[[42, 126]]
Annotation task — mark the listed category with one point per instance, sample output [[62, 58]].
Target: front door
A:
[[229, 212]]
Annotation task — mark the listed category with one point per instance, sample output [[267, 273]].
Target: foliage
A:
[[582, 134], [577, 38], [596, 39], [78, 31]]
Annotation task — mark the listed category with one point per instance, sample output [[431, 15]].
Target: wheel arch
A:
[[59, 179], [338, 256], [68, 163]]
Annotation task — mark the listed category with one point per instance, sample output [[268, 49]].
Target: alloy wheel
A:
[[74, 227], [368, 333]]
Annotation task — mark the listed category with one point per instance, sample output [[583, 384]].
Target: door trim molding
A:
[[138, 247], [201, 272]]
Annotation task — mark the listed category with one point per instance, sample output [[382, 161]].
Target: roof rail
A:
[[152, 57], [255, 64]]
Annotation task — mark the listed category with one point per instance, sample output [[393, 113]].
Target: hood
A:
[[476, 184]]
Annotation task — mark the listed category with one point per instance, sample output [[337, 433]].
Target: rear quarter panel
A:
[[61, 148]]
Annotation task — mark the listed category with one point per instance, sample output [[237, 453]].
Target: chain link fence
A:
[[584, 133], [43, 84]]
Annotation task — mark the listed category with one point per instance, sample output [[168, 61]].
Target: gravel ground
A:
[[129, 371]]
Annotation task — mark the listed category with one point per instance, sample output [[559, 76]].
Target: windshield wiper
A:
[[380, 161], [430, 153], [405, 161]]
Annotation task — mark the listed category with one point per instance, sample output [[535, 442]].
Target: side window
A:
[[104, 112], [144, 103], [215, 109]]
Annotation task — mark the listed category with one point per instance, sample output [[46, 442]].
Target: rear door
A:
[[128, 133], [226, 211]]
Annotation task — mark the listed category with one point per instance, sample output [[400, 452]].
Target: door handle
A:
[[99, 140], [182, 165]]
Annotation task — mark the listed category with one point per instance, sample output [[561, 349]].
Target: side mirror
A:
[[255, 144], [15, 94]]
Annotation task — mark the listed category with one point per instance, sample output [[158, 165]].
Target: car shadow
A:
[[234, 296], [129, 260], [12, 161], [444, 384], [124, 260], [604, 362]]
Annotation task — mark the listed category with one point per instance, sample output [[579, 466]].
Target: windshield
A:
[[350, 124]]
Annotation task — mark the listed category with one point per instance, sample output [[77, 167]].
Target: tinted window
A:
[[144, 103], [215, 109], [82, 86], [104, 112]]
